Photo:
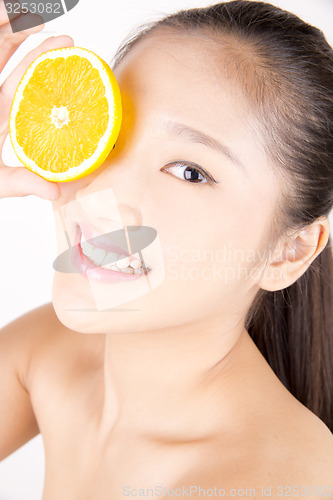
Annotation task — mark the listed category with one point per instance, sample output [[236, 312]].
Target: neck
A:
[[158, 382]]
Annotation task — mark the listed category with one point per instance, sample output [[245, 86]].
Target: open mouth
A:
[[104, 264], [113, 261]]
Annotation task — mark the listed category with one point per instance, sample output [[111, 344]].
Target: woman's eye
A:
[[189, 172]]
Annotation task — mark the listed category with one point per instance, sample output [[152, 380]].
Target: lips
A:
[[87, 268]]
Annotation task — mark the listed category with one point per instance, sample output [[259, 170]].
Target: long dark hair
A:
[[289, 80]]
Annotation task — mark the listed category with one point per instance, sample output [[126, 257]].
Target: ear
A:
[[293, 257]]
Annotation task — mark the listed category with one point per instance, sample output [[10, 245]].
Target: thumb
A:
[[19, 181]]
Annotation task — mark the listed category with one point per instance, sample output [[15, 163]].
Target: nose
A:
[[109, 200], [102, 206], [130, 215]]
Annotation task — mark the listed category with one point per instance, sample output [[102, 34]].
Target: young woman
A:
[[220, 377]]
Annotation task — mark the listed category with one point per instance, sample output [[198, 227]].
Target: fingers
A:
[[10, 41], [27, 24], [10, 84], [3, 13], [19, 181], [4, 125], [13, 11]]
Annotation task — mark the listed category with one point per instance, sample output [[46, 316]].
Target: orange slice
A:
[[66, 114]]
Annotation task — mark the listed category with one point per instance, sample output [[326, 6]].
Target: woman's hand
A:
[[19, 181]]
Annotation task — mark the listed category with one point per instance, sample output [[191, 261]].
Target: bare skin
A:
[[272, 439], [175, 395]]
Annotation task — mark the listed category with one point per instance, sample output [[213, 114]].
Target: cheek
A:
[[248, 210], [216, 246], [205, 256]]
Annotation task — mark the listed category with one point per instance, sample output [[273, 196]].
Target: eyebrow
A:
[[196, 136]]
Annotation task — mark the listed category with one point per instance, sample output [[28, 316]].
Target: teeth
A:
[[136, 264], [127, 270], [86, 248], [98, 256], [122, 263], [109, 260], [109, 265]]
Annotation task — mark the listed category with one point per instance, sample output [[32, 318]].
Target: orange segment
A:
[[66, 114]]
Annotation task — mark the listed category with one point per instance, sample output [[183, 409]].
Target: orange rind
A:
[[66, 114]]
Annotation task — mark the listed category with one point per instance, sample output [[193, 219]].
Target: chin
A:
[[75, 307], [74, 303]]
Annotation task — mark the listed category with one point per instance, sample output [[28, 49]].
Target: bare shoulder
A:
[[34, 330], [289, 453], [316, 445], [25, 334], [40, 337], [301, 447], [293, 442]]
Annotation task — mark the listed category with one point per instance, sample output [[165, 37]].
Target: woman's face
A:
[[185, 124]]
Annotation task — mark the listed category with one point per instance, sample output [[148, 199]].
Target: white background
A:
[[27, 247]]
